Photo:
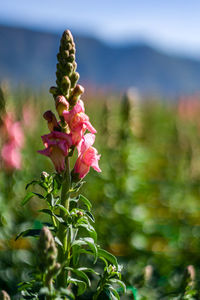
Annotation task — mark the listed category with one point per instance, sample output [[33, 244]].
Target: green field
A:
[[146, 201]]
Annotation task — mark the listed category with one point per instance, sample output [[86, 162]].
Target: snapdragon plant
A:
[[69, 237]]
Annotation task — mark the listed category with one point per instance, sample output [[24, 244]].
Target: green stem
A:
[[62, 230]]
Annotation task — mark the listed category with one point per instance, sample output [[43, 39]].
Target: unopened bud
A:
[[4, 295], [66, 85], [148, 271], [191, 272], [53, 90], [47, 249], [74, 78], [51, 119], [44, 175], [61, 104], [77, 92], [80, 213]]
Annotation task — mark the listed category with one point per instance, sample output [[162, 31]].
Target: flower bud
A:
[[77, 92], [51, 119], [47, 249], [4, 295], [61, 104], [74, 78], [44, 175], [65, 85], [53, 90]]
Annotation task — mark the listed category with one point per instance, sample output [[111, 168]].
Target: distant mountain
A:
[[30, 57]]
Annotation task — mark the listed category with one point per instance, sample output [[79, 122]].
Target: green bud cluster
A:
[[47, 255], [66, 74]]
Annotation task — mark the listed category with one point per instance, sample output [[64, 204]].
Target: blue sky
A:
[[170, 24]]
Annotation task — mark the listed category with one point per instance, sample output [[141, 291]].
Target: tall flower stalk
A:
[[71, 230]]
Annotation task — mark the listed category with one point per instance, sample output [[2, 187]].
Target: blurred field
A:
[[146, 200]]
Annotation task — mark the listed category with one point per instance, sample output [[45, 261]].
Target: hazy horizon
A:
[[172, 26]]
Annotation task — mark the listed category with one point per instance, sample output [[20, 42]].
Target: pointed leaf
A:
[[108, 256], [119, 282], [81, 274], [113, 293], [85, 201], [27, 198], [81, 285], [90, 216], [29, 232]]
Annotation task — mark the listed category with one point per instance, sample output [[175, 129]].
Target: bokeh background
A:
[[139, 62]]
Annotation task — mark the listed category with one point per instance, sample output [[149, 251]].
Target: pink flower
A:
[[87, 156], [29, 114], [13, 130], [78, 122], [56, 145], [11, 156]]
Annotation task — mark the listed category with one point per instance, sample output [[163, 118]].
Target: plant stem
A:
[[62, 230]]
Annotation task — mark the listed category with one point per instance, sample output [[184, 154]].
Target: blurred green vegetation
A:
[[146, 200]]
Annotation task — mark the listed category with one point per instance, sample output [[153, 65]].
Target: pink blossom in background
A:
[[13, 130], [87, 156], [78, 122], [189, 108], [12, 140], [11, 156], [57, 145], [29, 116]]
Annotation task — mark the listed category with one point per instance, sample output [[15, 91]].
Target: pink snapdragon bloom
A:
[[57, 145], [78, 122], [11, 156], [87, 156]]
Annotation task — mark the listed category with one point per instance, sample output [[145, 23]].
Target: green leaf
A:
[[49, 212], [108, 256], [113, 293], [90, 229], [62, 208], [80, 273], [90, 216], [66, 292], [90, 270], [39, 195], [57, 240], [85, 201], [33, 182], [52, 200], [27, 198], [118, 282], [81, 285], [29, 232], [90, 242]]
